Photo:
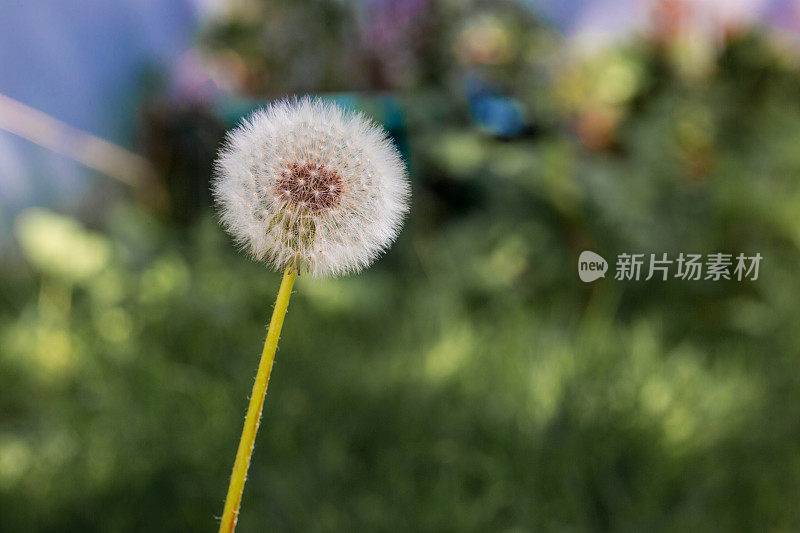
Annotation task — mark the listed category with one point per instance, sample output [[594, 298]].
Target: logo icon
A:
[[591, 266]]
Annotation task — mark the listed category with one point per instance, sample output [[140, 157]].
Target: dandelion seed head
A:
[[304, 184]]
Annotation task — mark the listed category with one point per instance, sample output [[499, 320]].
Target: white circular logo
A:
[[591, 266]]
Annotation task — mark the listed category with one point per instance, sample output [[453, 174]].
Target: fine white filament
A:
[[306, 185]]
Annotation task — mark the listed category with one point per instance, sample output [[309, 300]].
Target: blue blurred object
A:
[[80, 63], [497, 114]]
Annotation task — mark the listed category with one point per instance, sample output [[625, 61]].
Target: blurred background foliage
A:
[[468, 381]]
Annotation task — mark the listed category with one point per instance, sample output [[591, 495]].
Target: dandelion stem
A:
[[247, 441]]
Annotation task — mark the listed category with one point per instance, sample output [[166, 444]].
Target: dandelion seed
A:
[[320, 161]]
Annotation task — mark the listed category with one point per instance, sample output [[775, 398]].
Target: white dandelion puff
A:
[[303, 184]]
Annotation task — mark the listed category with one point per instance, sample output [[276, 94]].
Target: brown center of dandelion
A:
[[310, 185]]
